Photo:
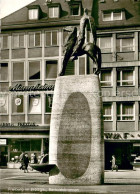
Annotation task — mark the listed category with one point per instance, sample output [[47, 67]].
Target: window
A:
[[18, 104], [53, 12], [51, 38], [18, 71], [49, 100], [34, 39], [82, 66], [70, 70], [113, 16], [3, 71], [34, 104], [75, 9], [106, 78], [18, 40], [125, 77], [105, 44], [3, 104], [125, 111], [34, 70], [125, 44], [51, 70], [107, 111], [65, 34], [4, 42], [33, 14]]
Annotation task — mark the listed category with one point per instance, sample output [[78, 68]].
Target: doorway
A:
[[3, 155], [122, 152]]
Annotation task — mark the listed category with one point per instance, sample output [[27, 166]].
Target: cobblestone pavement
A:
[[16, 181]]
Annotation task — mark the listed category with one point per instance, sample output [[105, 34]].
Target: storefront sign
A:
[[121, 136], [3, 141], [18, 125], [38, 87]]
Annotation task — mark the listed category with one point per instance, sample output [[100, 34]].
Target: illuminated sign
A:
[[37, 87], [3, 141]]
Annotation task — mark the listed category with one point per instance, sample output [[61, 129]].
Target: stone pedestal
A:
[[76, 132]]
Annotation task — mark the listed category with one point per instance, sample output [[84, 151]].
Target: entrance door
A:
[[3, 155], [122, 152]]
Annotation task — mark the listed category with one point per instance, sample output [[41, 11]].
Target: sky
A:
[[9, 6]]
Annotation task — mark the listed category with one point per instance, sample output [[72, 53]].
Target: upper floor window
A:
[[54, 12], [34, 39], [4, 42], [125, 77], [18, 71], [34, 70], [75, 9], [113, 15], [18, 104], [18, 40], [107, 111], [35, 104], [3, 71], [3, 104], [125, 42], [105, 44], [125, 111], [49, 100], [51, 38], [33, 14], [51, 70], [106, 78], [82, 66]]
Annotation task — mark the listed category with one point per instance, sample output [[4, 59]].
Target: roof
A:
[[132, 12], [19, 19]]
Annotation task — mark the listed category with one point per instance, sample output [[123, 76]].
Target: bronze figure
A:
[[76, 46]]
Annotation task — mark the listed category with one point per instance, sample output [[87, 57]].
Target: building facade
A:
[[32, 42]]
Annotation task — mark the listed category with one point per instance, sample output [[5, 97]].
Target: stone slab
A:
[[76, 131]]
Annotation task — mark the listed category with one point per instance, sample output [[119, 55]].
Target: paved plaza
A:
[[16, 181]]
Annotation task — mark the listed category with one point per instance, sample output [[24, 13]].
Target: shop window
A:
[[33, 14], [25, 146], [52, 38], [51, 70], [34, 104], [34, 39], [4, 42], [125, 77], [125, 42], [3, 104], [113, 15], [107, 111], [18, 71], [49, 100], [125, 111], [3, 71], [82, 66], [54, 12], [36, 145], [106, 78], [18, 40], [18, 104], [34, 70], [105, 44]]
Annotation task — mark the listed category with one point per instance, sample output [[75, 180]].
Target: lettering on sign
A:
[[38, 87], [18, 125]]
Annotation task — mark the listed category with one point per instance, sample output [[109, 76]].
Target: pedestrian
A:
[[25, 163], [113, 161], [33, 158], [21, 158]]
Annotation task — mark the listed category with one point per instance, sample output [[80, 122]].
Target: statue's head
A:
[[86, 11]]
